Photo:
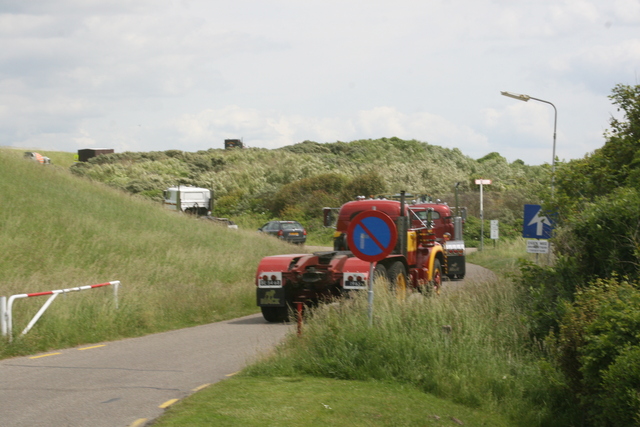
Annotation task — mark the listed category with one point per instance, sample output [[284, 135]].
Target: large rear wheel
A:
[[398, 280], [379, 271], [275, 314]]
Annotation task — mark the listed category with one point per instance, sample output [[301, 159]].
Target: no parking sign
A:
[[371, 235]]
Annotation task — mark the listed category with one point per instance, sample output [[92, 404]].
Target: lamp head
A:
[[524, 98]]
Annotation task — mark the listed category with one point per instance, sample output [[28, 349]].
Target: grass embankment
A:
[[312, 401], [461, 357], [58, 231]]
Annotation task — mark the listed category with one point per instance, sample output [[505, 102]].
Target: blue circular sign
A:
[[371, 235]]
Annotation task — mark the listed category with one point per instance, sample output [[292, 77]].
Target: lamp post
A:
[[525, 98]]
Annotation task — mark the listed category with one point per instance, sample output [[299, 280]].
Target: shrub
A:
[[596, 347], [545, 291], [620, 403], [603, 238]]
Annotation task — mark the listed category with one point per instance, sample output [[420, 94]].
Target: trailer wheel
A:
[[380, 271], [275, 314], [398, 279], [436, 282]]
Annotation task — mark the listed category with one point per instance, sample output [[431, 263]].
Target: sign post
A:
[[482, 182], [371, 236]]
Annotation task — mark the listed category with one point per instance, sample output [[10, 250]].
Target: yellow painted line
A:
[[232, 374], [201, 387], [168, 403], [44, 355], [139, 422], [95, 346]]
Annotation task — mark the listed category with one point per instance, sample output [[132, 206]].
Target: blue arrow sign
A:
[[536, 224]]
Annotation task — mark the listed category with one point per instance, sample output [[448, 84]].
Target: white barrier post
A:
[[39, 313], [8, 323], [3, 316]]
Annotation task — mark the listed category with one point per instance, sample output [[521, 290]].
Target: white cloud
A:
[[273, 129], [150, 75]]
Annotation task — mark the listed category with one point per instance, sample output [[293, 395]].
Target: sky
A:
[[154, 75]]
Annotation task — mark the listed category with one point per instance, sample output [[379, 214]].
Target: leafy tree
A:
[[604, 238], [306, 190], [616, 164]]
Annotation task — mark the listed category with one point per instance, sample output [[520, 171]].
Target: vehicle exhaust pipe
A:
[[402, 226]]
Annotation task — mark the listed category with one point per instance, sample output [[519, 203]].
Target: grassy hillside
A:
[[60, 231], [413, 166], [295, 182]]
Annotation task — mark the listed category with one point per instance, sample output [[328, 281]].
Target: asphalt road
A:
[[125, 383]]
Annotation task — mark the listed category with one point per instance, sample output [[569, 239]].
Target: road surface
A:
[[122, 383], [125, 383]]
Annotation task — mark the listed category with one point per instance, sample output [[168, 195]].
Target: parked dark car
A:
[[291, 231]]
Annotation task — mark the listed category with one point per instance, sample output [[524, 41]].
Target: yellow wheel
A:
[[398, 280]]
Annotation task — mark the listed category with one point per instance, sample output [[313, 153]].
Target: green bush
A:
[[597, 344], [545, 290], [603, 238], [303, 192], [620, 402]]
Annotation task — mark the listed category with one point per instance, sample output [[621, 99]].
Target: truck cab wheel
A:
[[398, 280], [436, 282], [275, 314]]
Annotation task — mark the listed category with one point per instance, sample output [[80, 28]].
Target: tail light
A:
[[280, 233], [304, 232]]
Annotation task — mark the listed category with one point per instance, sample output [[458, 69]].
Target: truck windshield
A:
[[423, 215]]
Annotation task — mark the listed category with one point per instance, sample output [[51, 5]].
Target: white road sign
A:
[[494, 229], [483, 182], [538, 246]]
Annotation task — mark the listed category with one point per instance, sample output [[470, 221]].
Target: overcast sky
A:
[[148, 75]]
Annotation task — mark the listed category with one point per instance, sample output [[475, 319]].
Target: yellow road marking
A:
[[168, 403], [232, 374], [201, 387], [138, 422], [44, 355], [95, 346]]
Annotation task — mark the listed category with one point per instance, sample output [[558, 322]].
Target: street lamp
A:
[[525, 98]]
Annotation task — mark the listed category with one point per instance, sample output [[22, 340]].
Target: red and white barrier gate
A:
[[6, 306]]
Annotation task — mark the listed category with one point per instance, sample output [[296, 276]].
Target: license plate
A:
[[270, 283], [354, 281], [293, 234], [270, 279]]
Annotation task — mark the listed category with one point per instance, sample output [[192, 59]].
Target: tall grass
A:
[[468, 345], [59, 231], [505, 256]]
